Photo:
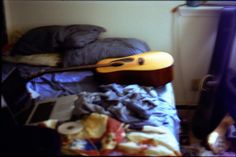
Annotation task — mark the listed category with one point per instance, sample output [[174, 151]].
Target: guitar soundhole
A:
[[140, 61], [116, 64], [124, 60]]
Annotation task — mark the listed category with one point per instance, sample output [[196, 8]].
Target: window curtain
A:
[[3, 38]]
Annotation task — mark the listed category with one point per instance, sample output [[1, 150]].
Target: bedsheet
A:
[[61, 84]]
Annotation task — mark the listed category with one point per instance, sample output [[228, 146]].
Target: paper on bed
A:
[[59, 109]]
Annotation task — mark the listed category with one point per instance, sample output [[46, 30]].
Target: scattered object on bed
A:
[[152, 68]]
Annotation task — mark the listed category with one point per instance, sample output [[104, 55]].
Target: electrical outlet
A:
[[195, 85]]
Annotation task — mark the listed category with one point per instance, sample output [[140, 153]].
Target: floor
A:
[[191, 146]]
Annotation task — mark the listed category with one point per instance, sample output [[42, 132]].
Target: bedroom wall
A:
[[189, 39], [150, 21]]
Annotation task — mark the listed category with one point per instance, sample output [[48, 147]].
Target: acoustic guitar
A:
[[153, 68]]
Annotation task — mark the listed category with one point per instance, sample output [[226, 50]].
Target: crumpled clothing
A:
[[133, 104]]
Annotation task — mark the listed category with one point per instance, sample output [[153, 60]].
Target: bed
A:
[[133, 119]]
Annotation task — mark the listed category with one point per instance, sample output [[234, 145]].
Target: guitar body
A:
[[148, 78], [149, 68]]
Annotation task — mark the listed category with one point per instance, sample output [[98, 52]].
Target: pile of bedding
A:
[[131, 104]]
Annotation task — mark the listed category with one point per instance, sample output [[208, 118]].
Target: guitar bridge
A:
[[140, 61]]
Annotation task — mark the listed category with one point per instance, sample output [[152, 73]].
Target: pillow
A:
[[104, 48], [47, 59], [37, 40], [77, 36], [48, 39]]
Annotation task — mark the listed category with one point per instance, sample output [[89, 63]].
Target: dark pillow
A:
[[104, 48], [38, 40], [77, 36], [56, 38]]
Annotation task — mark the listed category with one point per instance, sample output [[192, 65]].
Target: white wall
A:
[[188, 35], [150, 21], [195, 31]]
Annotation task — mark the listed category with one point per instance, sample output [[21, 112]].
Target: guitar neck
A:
[[76, 68], [84, 67]]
